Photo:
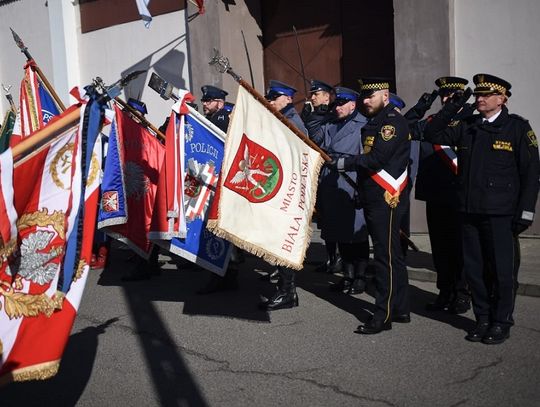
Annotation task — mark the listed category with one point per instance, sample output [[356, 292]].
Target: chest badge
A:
[[388, 132]]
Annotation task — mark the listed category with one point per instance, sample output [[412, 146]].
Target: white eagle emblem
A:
[[246, 173]]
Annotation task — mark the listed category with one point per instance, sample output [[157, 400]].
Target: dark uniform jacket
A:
[[291, 114], [314, 119], [435, 181], [220, 119], [498, 163], [386, 146], [339, 219]]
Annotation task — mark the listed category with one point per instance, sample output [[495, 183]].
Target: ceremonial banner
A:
[[130, 174], [203, 158], [7, 129], [35, 319], [36, 108], [268, 186]]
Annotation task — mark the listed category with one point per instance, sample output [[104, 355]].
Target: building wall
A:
[[423, 53], [31, 23]]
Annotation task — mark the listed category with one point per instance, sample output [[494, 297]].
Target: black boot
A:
[[359, 284], [443, 301], [285, 295], [344, 285]]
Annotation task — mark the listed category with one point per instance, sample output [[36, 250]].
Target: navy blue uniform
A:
[[386, 150], [497, 188], [220, 119], [291, 114]]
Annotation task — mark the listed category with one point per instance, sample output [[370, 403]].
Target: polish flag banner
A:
[[268, 186], [35, 318]]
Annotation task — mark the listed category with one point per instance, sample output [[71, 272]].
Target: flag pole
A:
[[10, 98], [223, 65], [140, 117], [37, 70]]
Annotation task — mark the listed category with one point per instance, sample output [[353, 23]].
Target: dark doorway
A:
[[340, 41]]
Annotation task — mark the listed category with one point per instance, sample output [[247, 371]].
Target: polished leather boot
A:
[[359, 283], [344, 285], [460, 305], [285, 295], [496, 334], [477, 334], [373, 327]]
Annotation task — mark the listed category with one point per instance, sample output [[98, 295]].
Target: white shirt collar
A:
[[492, 118]]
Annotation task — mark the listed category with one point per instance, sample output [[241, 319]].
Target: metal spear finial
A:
[[20, 44], [222, 64], [9, 97]]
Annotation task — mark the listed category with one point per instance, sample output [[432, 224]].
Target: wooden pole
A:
[[49, 87], [44, 135], [140, 117], [283, 119]]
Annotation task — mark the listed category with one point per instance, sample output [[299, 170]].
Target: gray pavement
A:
[[156, 343]]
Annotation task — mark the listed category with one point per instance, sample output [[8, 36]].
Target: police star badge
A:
[[388, 132]]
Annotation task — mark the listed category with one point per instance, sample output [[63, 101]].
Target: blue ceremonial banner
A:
[[113, 206], [48, 106], [204, 147]]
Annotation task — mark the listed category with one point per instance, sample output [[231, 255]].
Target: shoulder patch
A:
[[532, 138], [453, 123], [388, 132]]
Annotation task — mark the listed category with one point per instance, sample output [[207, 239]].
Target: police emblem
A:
[[532, 138], [215, 248], [109, 201], [388, 132]]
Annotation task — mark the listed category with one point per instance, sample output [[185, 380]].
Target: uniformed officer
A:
[[498, 187], [316, 112], [216, 110], [280, 96], [436, 184], [339, 218], [382, 177], [213, 102]]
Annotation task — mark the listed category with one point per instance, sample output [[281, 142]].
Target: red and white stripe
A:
[[448, 155], [389, 183]]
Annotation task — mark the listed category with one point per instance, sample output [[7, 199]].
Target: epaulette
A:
[[518, 117]]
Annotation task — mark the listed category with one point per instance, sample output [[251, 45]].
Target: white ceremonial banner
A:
[[268, 186]]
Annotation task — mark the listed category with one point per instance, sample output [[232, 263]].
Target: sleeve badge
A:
[[532, 138]]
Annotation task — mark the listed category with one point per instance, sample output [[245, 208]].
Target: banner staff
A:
[[37, 69], [301, 62], [10, 98], [223, 65]]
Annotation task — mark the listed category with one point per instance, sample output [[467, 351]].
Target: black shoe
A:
[[460, 305], [373, 327], [478, 332], [442, 302], [496, 334], [280, 300], [358, 286], [401, 318]]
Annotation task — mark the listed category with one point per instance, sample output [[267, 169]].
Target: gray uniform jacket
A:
[[292, 115], [338, 218]]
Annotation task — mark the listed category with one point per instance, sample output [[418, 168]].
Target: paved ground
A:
[[157, 343]]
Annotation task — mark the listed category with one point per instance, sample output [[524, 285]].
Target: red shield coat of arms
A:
[[255, 173]]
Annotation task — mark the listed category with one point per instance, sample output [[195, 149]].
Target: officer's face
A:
[[344, 110], [211, 106], [320, 98], [488, 105], [374, 103], [280, 102]]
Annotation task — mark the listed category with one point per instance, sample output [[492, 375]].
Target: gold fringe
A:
[[261, 252], [40, 371]]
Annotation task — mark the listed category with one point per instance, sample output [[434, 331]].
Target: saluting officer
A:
[[498, 187], [436, 184], [213, 103], [382, 175], [316, 112], [339, 218], [280, 96]]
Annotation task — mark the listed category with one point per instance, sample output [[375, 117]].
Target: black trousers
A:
[[445, 237], [352, 252], [391, 280], [488, 239]]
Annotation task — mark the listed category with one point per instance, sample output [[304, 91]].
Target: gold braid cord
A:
[[391, 200]]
